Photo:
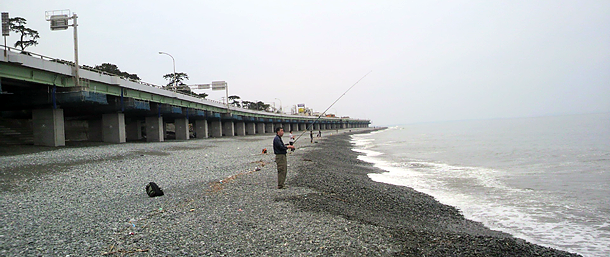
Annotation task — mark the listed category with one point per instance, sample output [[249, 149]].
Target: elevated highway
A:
[[40, 92]]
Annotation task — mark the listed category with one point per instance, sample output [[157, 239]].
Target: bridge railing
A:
[[89, 68], [85, 67], [71, 63]]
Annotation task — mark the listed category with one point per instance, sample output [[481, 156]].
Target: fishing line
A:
[[295, 141]]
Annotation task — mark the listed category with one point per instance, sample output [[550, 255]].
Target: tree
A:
[[202, 95], [247, 104], [233, 100], [260, 106], [113, 69], [175, 79], [263, 106], [17, 25]]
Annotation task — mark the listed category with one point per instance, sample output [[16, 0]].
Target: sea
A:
[[543, 179]]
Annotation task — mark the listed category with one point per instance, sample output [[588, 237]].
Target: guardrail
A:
[[85, 67]]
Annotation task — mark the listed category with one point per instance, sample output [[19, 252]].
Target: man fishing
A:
[[279, 149]]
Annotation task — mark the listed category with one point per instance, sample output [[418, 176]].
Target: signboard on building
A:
[[301, 108]]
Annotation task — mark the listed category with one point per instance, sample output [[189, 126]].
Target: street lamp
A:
[[280, 105], [174, 62]]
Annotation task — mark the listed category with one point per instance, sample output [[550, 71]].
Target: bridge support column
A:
[[250, 128], [216, 128], [228, 129], [133, 129], [113, 128], [154, 129], [48, 127], [201, 129], [260, 128], [240, 128], [269, 128], [182, 128], [308, 126]]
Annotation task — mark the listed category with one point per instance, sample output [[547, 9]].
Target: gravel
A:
[[221, 200]]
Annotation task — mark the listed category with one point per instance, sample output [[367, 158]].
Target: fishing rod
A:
[[314, 122]]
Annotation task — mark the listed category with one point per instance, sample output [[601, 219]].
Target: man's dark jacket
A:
[[278, 145]]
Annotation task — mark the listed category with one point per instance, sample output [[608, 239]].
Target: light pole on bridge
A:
[[174, 63], [281, 110]]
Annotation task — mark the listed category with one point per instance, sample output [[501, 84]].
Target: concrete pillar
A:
[[133, 129], [48, 125], [201, 129], [228, 129], [113, 128], [154, 129], [260, 128], [308, 126], [294, 127], [240, 128], [250, 128], [269, 128], [182, 128], [94, 132], [216, 129]]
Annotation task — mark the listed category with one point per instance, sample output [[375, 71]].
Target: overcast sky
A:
[[430, 60]]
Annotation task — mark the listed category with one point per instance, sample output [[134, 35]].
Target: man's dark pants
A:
[[282, 169]]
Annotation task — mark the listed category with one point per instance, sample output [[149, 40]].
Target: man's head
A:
[[279, 131], [290, 131]]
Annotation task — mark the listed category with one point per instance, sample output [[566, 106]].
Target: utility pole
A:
[[76, 66]]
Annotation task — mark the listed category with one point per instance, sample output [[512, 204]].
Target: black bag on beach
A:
[[153, 190]]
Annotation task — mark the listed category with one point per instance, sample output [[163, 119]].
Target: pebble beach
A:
[[221, 200]]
